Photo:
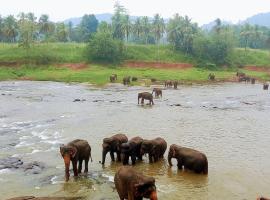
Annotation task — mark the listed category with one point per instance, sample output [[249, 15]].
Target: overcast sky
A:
[[201, 11]]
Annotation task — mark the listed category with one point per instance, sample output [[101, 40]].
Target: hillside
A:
[[262, 19]]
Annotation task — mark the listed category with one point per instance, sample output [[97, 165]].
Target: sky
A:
[[201, 11]]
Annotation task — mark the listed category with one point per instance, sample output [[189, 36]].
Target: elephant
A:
[[133, 185], [189, 158], [113, 144], [168, 83], [262, 198], [145, 95], [153, 80], [265, 86], [253, 80], [175, 84], [134, 78], [131, 149], [113, 78], [211, 77], [44, 198], [155, 149], [157, 91], [126, 80], [240, 74], [77, 150]]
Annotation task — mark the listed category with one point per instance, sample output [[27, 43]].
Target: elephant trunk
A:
[[153, 195], [67, 164], [104, 152], [170, 159]]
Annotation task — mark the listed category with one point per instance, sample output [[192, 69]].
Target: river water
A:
[[229, 122]]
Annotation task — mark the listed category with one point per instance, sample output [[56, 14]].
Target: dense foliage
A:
[[102, 47], [212, 47]]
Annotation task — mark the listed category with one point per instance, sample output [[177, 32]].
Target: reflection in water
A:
[[229, 123]]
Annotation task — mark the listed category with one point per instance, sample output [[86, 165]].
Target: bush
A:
[[103, 48]]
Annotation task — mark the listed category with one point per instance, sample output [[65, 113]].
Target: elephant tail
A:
[[91, 158], [205, 170]]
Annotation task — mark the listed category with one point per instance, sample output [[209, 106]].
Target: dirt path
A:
[[158, 65], [73, 66], [257, 69]]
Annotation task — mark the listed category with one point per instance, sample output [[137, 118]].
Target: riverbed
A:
[[229, 122]]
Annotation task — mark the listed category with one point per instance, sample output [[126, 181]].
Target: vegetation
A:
[[103, 48], [41, 42]]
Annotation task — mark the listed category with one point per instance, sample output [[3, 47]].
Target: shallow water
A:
[[228, 122]]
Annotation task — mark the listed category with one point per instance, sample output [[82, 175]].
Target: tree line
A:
[[180, 32]]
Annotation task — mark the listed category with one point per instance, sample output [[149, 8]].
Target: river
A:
[[229, 122]]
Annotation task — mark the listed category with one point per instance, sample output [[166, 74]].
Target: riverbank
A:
[[66, 62], [99, 75]]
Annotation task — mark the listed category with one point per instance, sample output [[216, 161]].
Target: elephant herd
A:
[[129, 183]]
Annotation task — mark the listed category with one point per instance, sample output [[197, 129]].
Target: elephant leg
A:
[[75, 170], [133, 159], [150, 158], [142, 101], [156, 158], [118, 156], [86, 165], [112, 155], [80, 166], [179, 164]]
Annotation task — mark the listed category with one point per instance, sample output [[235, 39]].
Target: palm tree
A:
[[126, 26], [137, 28], [145, 27], [10, 28], [44, 25], [158, 27]]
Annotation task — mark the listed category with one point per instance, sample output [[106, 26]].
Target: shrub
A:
[[103, 48]]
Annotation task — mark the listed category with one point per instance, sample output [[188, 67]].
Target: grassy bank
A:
[[100, 75], [42, 61], [74, 53]]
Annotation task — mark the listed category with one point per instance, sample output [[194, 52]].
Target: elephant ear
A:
[[61, 149], [73, 152]]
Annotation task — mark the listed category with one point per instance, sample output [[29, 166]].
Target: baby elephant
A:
[[189, 158], [157, 91], [113, 78], [131, 149], [155, 148], [145, 95], [77, 150], [211, 77], [265, 86], [133, 185]]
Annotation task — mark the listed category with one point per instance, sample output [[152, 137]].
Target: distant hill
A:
[[100, 17], [209, 26], [262, 19]]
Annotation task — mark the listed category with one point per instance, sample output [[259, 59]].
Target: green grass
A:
[[29, 64], [100, 75], [43, 53], [252, 57]]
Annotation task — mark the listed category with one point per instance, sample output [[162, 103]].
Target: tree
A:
[[10, 29], [46, 27], [145, 26], [118, 30], [61, 32], [27, 29], [158, 27], [137, 28], [88, 26], [1, 29], [102, 47], [126, 26], [181, 32], [104, 27]]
